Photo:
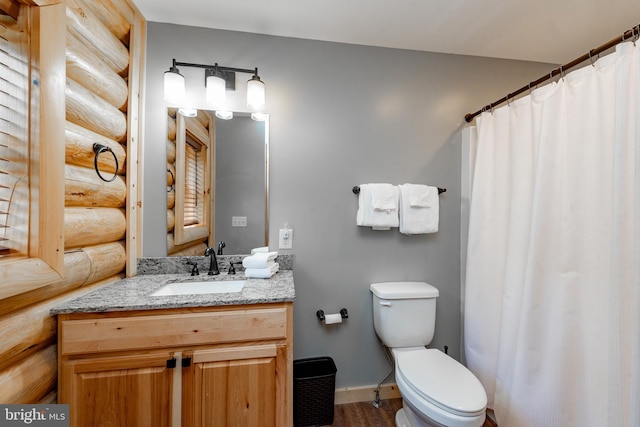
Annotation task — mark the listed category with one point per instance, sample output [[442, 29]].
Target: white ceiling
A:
[[554, 31]]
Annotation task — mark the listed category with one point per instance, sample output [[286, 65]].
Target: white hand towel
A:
[[262, 273], [259, 260], [419, 209], [378, 206], [259, 250]]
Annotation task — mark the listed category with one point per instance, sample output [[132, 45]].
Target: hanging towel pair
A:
[[378, 206], [419, 209]]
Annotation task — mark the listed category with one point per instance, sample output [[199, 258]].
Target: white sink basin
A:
[[196, 288]]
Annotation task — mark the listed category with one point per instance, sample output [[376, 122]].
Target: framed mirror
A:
[[217, 183]]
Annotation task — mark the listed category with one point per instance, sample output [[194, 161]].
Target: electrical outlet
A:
[[238, 221], [286, 239]]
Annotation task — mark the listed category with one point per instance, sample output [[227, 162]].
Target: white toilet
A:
[[436, 390]]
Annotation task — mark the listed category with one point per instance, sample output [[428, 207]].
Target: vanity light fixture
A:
[[218, 80]]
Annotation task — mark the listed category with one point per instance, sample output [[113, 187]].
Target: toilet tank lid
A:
[[403, 290]]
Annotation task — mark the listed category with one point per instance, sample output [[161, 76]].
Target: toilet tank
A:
[[404, 313]]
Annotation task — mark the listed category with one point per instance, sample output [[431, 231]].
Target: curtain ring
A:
[[591, 58], [508, 102], [562, 72], [99, 149], [173, 181]]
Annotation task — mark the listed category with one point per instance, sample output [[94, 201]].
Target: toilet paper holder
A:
[[343, 313]]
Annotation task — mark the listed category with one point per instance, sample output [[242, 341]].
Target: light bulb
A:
[[174, 87], [255, 93], [216, 91]]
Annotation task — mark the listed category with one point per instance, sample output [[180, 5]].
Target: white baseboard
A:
[[365, 393]]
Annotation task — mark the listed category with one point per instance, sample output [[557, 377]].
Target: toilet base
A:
[[406, 418]]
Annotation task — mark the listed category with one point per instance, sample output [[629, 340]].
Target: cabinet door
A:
[[119, 391], [232, 387]]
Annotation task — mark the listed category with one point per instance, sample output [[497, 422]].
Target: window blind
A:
[[14, 138], [193, 190]]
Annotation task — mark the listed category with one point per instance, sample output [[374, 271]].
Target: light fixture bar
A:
[[232, 69]]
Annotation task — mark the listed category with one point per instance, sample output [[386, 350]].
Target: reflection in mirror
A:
[[226, 161]]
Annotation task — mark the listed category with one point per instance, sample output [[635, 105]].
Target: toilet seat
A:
[[441, 380]]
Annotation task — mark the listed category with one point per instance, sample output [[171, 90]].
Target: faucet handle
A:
[[232, 269], [194, 270]]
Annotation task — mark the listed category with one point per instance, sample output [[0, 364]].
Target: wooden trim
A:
[[135, 132], [49, 47], [46, 239], [365, 393]]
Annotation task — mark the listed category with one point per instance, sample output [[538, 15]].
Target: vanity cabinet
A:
[[222, 366]]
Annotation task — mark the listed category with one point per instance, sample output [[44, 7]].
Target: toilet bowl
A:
[[436, 389]]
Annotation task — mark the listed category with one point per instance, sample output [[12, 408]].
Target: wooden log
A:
[[171, 128], [112, 18], [93, 226], [81, 267], [83, 188], [196, 130], [171, 151], [79, 150], [31, 379], [172, 248], [85, 68], [171, 199], [32, 328], [203, 118], [49, 399], [84, 25], [171, 220], [88, 110], [11, 8], [171, 175]]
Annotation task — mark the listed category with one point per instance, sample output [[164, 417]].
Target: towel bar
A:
[[356, 190]]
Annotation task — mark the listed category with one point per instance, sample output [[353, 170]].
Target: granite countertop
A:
[[134, 293]]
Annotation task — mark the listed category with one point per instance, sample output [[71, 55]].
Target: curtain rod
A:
[[633, 33]]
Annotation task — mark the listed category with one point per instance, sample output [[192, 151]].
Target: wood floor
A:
[[364, 414]]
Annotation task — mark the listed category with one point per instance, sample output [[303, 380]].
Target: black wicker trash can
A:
[[314, 383]]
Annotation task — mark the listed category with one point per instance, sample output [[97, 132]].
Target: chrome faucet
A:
[[213, 267]]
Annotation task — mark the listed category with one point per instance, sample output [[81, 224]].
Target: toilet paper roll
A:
[[331, 319]]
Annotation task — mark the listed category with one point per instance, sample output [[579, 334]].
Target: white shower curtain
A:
[[552, 299]]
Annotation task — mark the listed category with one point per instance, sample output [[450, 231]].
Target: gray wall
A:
[[342, 115], [240, 175]]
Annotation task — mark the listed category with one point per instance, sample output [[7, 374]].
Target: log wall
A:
[[105, 40]]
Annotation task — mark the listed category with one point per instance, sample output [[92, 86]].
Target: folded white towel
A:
[[262, 273], [419, 209], [259, 260], [378, 206], [260, 250]]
